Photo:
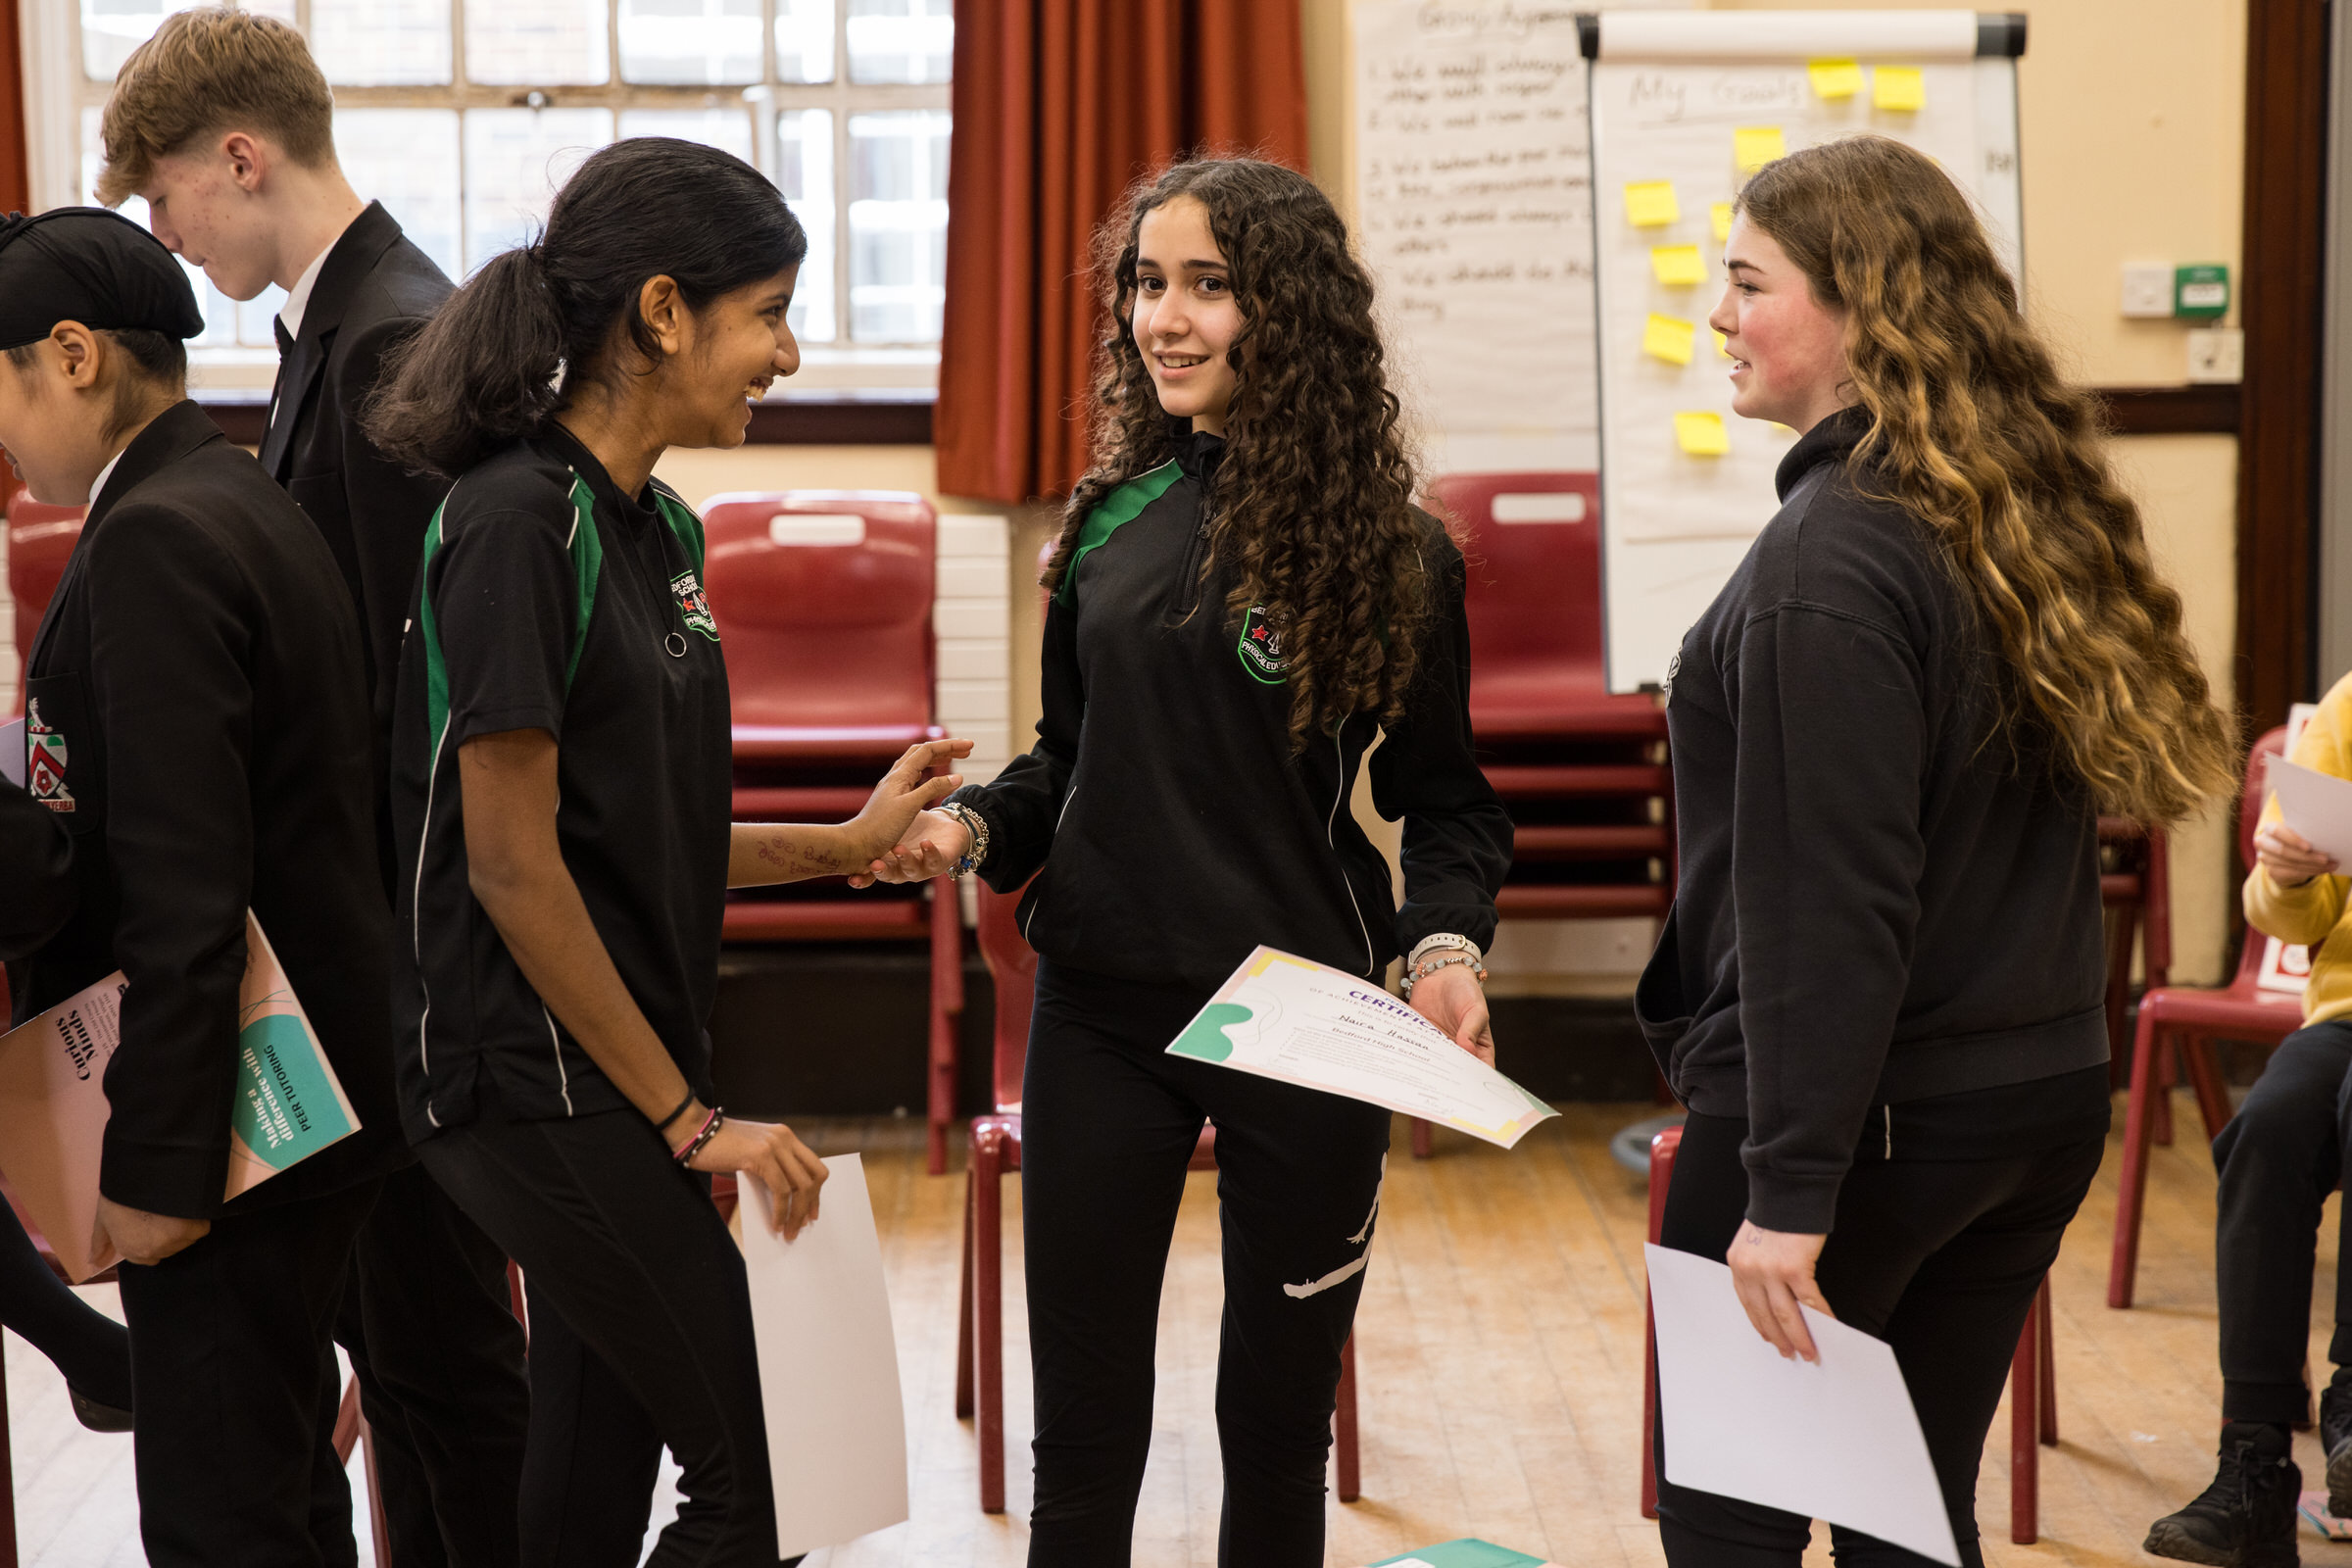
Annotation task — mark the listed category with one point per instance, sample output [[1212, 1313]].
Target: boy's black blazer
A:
[[200, 726], [375, 289]]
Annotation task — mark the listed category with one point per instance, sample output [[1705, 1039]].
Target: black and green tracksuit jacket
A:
[[1163, 812]]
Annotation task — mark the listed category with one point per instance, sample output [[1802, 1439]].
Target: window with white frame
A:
[[464, 115]]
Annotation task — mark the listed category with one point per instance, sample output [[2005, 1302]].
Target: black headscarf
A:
[[89, 265]]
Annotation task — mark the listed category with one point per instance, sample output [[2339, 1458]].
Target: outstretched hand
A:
[[1452, 998], [904, 793], [931, 848]]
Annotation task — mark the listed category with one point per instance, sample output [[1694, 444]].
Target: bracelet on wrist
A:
[[703, 1135], [684, 1105], [977, 826], [1441, 958]]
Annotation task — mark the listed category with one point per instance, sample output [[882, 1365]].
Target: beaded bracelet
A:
[[977, 826], [709, 1130], [1436, 961]]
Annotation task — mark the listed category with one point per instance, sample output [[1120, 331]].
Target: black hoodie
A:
[[1174, 827], [1880, 901]]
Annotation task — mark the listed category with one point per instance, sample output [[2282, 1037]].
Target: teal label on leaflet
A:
[[285, 1107]]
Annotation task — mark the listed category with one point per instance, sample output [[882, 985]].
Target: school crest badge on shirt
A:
[[693, 604], [45, 761], [1261, 648]]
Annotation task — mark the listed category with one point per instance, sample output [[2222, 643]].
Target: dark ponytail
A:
[[504, 352]]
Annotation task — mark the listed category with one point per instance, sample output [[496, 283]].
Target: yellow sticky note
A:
[[1650, 203], [1898, 87], [1723, 345], [1835, 78], [1678, 265], [1669, 338], [1755, 146], [1721, 213], [1701, 435]]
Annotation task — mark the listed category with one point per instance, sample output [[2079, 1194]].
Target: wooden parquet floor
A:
[[1500, 1357]]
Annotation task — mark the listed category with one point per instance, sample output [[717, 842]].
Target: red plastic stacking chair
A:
[[823, 601], [2032, 1379], [2190, 1021], [41, 537], [996, 1149]]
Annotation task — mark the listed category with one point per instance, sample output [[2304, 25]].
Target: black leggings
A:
[[1109, 1125], [1940, 1260], [2279, 1157], [625, 1245], [90, 1348]]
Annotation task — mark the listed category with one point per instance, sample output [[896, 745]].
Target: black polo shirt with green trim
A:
[[547, 600]]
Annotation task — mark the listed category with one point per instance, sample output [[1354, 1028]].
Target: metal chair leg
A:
[[2132, 1179], [2025, 1424], [1344, 1450], [963, 1314], [988, 1311]]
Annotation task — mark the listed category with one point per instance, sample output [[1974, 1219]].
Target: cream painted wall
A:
[[2132, 119]]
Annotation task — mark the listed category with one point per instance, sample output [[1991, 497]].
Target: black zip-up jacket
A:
[[1174, 826], [1878, 904]]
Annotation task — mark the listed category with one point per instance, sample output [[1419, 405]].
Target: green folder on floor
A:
[[1463, 1553]]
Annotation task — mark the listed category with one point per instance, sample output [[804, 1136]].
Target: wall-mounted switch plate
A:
[[2148, 289], [2217, 353]]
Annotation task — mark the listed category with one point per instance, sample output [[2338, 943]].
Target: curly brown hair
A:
[[1313, 497], [1973, 431]]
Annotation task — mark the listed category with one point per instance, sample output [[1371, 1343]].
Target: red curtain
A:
[[1059, 105], [16, 184]]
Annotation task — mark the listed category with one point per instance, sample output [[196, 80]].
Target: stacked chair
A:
[[823, 601], [41, 537], [995, 1152]]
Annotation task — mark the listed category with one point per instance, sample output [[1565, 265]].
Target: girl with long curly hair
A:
[[1880, 989], [1244, 598]]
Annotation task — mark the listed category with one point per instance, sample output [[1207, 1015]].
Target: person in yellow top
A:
[[2287, 1150]]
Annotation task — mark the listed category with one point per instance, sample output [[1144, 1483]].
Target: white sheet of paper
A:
[[829, 1366], [1306, 1024], [2315, 804], [1836, 1440]]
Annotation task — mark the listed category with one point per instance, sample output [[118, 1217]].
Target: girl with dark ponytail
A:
[[561, 753]]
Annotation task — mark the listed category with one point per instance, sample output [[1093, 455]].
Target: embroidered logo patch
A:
[[1261, 648], [694, 605], [45, 761]]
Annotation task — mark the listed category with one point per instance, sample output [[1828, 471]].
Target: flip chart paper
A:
[[1836, 1440], [1719, 214], [1669, 338], [1678, 265], [1305, 1023], [1835, 78], [829, 1366], [1650, 204], [1755, 146], [1898, 87], [1701, 435], [53, 1106], [1467, 1553], [2318, 805]]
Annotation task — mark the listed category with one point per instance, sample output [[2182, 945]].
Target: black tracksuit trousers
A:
[[1109, 1124], [1941, 1259], [2288, 1148], [626, 1247]]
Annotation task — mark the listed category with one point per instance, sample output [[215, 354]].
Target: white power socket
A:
[[2148, 288], [2217, 353]]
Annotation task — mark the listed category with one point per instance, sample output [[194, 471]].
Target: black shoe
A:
[[2247, 1519], [2335, 1436], [97, 1417]]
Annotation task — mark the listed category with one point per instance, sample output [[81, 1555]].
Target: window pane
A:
[[728, 129], [697, 42], [898, 225], [805, 165], [803, 40], [381, 44], [408, 160], [901, 40], [538, 43], [515, 159], [112, 29]]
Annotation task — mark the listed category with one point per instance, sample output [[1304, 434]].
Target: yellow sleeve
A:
[[2307, 913]]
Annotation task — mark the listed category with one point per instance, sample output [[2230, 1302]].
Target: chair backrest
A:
[[2250, 799], [1012, 965], [823, 602], [1532, 542], [41, 537]]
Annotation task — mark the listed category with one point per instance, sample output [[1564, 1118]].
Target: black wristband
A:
[[663, 1125]]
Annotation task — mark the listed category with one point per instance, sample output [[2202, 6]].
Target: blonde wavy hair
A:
[[1973, 431]]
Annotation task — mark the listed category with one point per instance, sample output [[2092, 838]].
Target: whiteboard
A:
[[1474, 213], [1669, 95]]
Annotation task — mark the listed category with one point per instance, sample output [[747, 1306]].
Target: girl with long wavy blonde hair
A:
[[1880, 991], [1242, 597]]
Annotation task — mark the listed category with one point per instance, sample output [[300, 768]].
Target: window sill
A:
[[874, 418]]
